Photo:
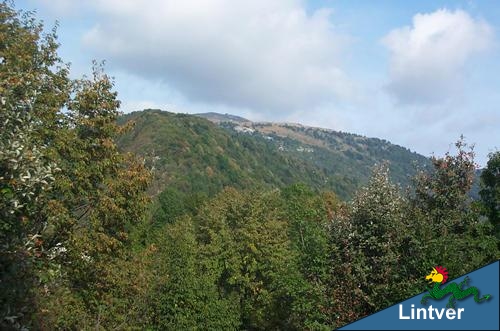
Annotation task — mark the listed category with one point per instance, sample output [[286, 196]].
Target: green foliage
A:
[[367, 242], [191, 154], [28, 112], [385, 241], [184, 297], [377, 220], [445, 189], [243, 243], [98, 198], [490, 190], [25, 177], [69, 198], [344, 160], [446, 221], [171, 204], [82, 246], [233, 265], [307, 217]]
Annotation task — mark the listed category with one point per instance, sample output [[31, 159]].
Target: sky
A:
[[417, 73]]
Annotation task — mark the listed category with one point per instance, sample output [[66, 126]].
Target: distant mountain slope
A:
[[217, 118], [340, 151], [193, 154]]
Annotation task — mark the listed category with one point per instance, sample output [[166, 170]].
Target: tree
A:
[[68, 197], [97, 199], [244, 242], [447, 224], [444, 190], [184, 297], [377, 217], [25, 178], [33, 88], [171, 204], [307, 215], [490, 190]]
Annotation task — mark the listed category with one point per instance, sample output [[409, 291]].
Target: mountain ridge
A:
[[195, 154], [218, 117], [229, 118]]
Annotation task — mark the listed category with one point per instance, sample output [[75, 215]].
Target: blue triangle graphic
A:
[[473, 316]]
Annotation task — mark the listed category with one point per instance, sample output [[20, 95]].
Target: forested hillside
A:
[[160, 221], [194, 155]]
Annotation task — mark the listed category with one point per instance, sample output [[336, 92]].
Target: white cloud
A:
[[428, 59], [260, 55]]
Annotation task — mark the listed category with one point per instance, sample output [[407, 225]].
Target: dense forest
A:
[[99, 232], [269, 155]]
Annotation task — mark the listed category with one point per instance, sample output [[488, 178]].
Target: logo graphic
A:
[[439, 276]]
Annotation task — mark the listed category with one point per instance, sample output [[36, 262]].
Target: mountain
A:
[[205, 152], [218, 118]]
